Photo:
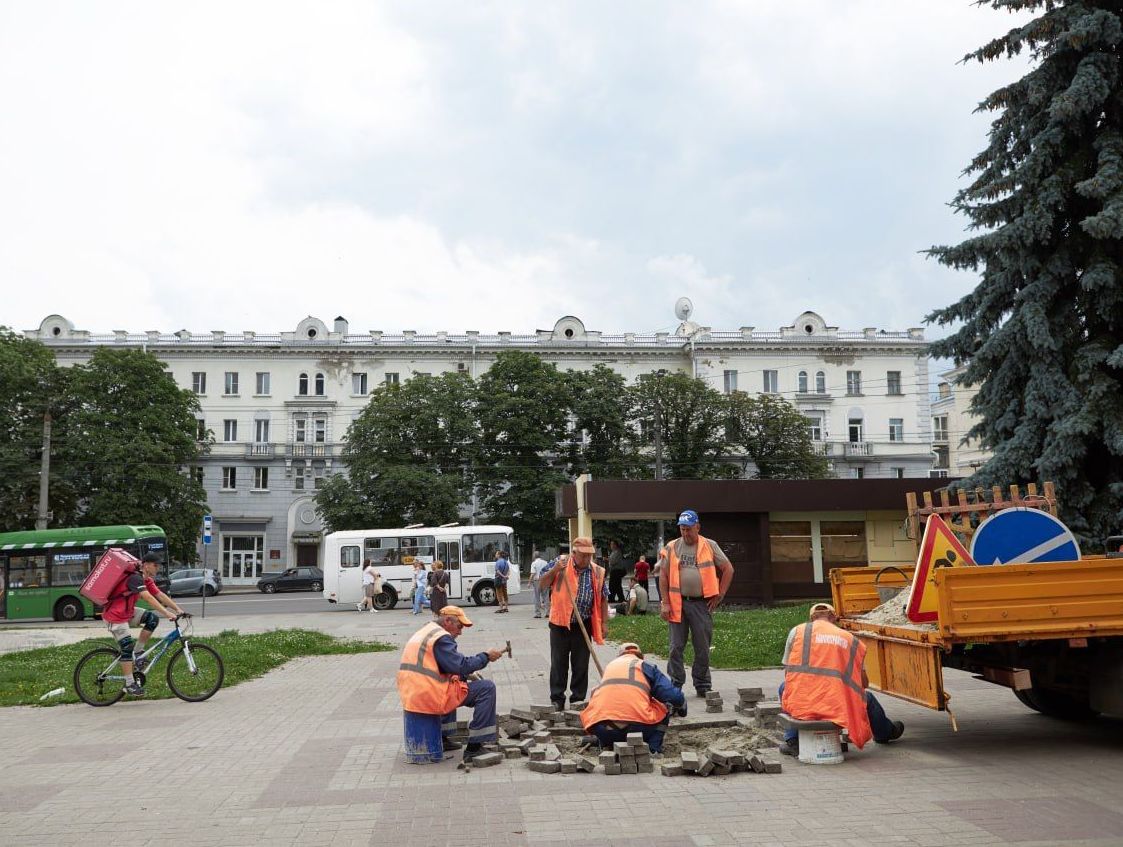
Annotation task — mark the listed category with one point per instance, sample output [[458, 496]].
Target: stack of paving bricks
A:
[[714, 703], [718, 762], [631, 756], [747, 700]]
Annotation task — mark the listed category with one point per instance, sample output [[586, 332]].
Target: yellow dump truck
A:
[[1052, 632]]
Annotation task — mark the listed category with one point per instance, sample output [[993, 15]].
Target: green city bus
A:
[[42, 570]]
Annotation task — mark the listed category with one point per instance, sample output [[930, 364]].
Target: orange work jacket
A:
[[823, 679], [707, 570], [562, 596], [421, 685], [624, 694]]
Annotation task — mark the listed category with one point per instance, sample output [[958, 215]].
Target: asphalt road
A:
[[290, 603]]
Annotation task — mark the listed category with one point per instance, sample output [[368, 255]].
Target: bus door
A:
[[449, 553], [3, 586]]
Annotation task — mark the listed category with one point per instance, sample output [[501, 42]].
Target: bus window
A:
[[69, 568], [482, 546], [381, 551], [349, 556], [28, 572], [418, 547]]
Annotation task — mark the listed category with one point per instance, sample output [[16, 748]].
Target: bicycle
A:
[[195, 672]]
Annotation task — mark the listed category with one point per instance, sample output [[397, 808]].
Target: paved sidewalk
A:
[[311, 755]]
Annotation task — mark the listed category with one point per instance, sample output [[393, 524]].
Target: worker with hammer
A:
[[578, 616]]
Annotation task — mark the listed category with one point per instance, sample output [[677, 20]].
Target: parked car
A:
[[190, 581], [294, 579]]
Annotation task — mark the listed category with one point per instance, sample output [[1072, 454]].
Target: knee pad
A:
[[126, 645], [149, 620]]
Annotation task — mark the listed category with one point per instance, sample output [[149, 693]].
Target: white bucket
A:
[[820, 747]]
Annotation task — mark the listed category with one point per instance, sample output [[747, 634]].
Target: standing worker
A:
[[632, 697], [431, 680], [694, 576], [825, 680], [577, 588]]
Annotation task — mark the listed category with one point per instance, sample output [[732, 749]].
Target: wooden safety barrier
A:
[[972, 507]]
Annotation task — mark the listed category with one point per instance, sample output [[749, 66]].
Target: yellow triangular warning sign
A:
[[939, 549]]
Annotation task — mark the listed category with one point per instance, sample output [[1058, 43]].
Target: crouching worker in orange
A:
[[431, 680], [633, 696], [825, 680]]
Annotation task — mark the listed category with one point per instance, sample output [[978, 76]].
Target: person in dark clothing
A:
[[438, 587], [616, 571]]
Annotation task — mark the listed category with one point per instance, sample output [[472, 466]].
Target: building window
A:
[[937, 474], [391, 379], [298, 475], [231, 384], [815, 425], [802, 389], [197, 474], [857, 473], [320, 429], [200, 429], [461, 367], [262, 385], [359, 384], [940, 428], [319, 385], [893, 380], [853, 382], [302, 385], [843, 542], [261, 479], [730, 382], [898, 473], [792, 556], [242, 556], [199, 382], [300, 434], [896, 429], [422, 373], [771, 382], [229, 430], [317, 474], [261, 431], [820, 383], [229, 479], [855, 427]]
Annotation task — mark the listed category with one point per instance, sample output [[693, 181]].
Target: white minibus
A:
[[468, 553]]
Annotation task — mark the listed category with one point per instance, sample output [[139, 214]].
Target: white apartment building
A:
[[279, 404], [951, 419]]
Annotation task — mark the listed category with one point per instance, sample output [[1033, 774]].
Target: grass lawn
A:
[[28, 674], [742, 640]]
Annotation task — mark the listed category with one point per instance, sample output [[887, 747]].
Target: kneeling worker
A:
[[825, 680], [431, 680], [632, 697]]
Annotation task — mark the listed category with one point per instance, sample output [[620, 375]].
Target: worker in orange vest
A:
[[633, 696], [825, 680], [577, 587], [434, 679], [694, 576]]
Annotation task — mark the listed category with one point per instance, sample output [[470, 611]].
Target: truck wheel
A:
[[1060, 704]]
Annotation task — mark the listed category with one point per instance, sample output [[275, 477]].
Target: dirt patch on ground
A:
[[741, 739]]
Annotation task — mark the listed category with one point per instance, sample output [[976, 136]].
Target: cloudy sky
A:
[[486, 166]]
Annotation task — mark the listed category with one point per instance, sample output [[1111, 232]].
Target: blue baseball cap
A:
[[688, 518]]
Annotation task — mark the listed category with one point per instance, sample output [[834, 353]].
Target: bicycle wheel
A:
[[195, 686], [91, 681]]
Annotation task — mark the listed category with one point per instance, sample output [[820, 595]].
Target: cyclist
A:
[[121, 613]]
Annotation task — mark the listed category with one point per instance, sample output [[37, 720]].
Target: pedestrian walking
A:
[[372, 587], [579, 588], [616, 571], [694, 576], [541, 595], [438, 583], [420, 585]]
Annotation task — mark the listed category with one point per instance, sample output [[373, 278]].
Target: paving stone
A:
[[691, 761], [487, 760], [537, 753], [671, 769], [706, 767], [751, 693], [757, 764], [607, 758], [552, 753], [635, 739], [525, 744], [722, 770], [513, 753], [629, 766], [714, 707], [720, 757], [568, 765], [612, 770], [579, 706], [713, 696], [545, 767], [645, 767], [773, 767], [586, 765], [622, 748], [767, 710], [524, 715]]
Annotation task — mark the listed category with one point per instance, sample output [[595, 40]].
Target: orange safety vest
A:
[[707, 570], [421, 685], [561, 600], [624, 694], [823, 679]]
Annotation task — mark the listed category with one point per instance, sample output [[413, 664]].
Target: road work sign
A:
[[1020, 536], [939, 549]]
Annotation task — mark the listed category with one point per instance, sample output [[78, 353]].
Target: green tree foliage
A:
[[129, 441], [524, 408], [407, 456], [1042, 333], [604, 436], [693, 418], [774, 435]]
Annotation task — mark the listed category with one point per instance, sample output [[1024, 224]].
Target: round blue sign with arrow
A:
[[1021, 536]]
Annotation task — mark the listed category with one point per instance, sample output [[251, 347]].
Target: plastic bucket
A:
[[820, 746], [423, 738]]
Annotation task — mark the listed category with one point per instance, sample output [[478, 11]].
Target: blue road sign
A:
[[1020, 536], [206, 529]]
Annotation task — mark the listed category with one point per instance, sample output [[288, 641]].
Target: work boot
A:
[[790, 748], [472, 750], [898, 731], [448, 744]]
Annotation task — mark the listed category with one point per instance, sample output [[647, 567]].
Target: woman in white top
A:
[[372, 587]]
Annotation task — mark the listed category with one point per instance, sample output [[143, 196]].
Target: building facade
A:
[[279, 404], [951, 419]]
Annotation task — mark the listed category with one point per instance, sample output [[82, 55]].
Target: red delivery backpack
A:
[[107, 580]]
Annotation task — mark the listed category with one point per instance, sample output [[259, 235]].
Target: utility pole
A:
[[44, 473], [659, 460]]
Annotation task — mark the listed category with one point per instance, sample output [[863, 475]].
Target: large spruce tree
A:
[[1042, 333]]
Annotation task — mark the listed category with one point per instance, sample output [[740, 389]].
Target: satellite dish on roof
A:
[[683, 308]]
